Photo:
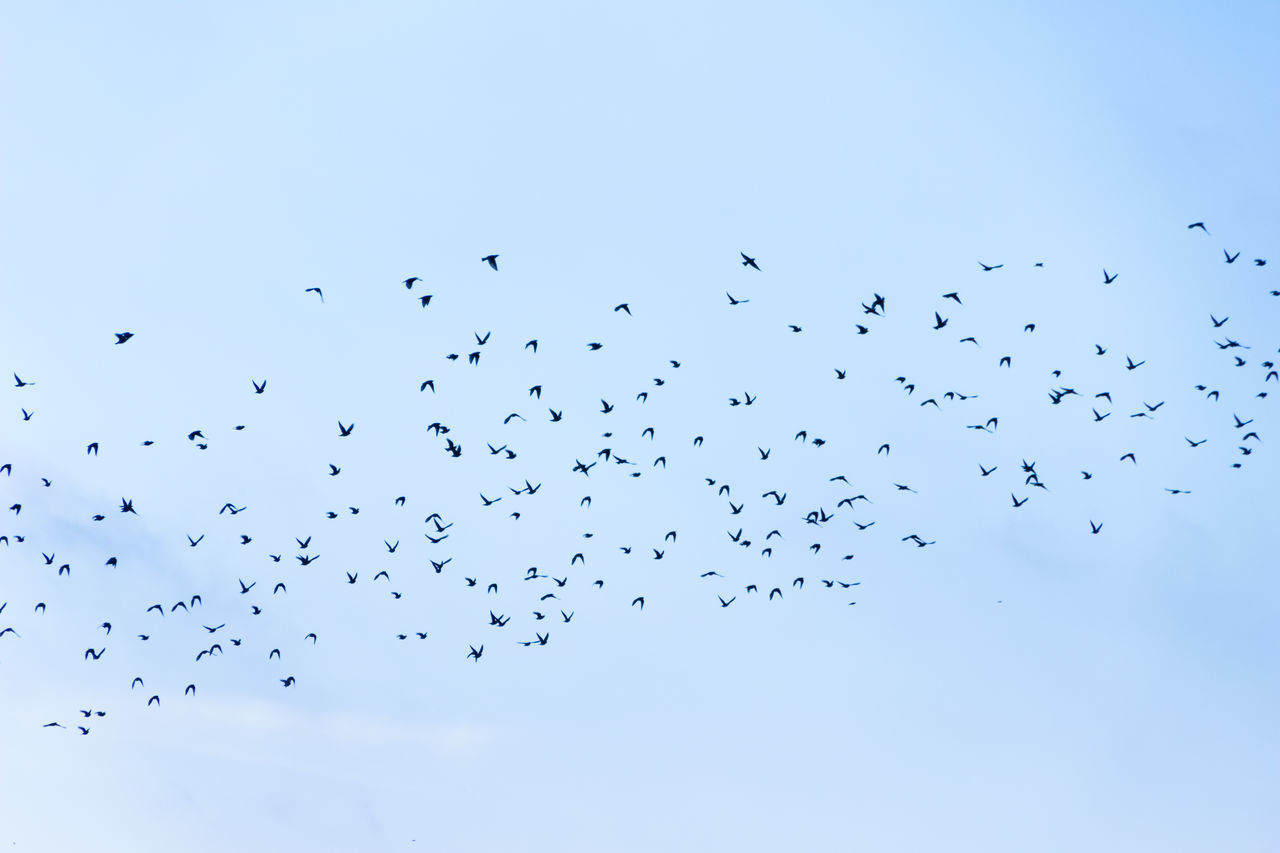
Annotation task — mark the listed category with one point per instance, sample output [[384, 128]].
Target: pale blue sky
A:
[[185, 171]]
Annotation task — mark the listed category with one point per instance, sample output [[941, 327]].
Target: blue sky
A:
[[185, 173]]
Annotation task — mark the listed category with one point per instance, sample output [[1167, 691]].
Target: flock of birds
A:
[[262, 581]]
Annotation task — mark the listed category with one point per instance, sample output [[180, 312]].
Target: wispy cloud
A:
[[352, 730]]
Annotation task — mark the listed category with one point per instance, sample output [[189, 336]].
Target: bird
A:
[[732, 301], [1107, 278], [317, 291], [491, 260], [989, 267], [748, 262], [121, 337]]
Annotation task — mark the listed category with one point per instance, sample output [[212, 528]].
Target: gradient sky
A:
[[186, 171]]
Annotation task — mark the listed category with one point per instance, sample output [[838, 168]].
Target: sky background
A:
[[186, 172]]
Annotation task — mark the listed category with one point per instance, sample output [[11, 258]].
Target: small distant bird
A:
[[491, 260], [1107, 278], [317, 291], [121, 337], [748, 262]]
